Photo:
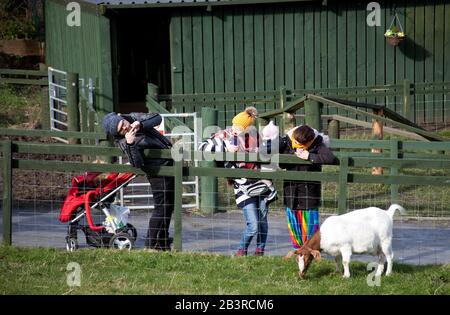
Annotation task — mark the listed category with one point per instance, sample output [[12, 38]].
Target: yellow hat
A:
[[246, 118], [304, 146]]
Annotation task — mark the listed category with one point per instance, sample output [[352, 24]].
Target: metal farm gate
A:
[[140, 190], [57, 90]]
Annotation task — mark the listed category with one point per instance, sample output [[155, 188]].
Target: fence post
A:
[[343, 180], [208, 185], [73, 114], [408, 110], [394, 146], [288, 119], [45, 105], [312, 114], [282, 94], [377, 134], [83, 117], [7, 192], [333, 129], [178, 205]]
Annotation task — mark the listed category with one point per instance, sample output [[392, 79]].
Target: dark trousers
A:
[[158, 225]]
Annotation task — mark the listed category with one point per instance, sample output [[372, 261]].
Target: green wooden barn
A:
[[191, 47]]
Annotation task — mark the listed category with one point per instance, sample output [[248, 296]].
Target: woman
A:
[[252, 195], [302, 198]]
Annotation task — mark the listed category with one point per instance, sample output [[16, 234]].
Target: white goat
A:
[[361, 231]]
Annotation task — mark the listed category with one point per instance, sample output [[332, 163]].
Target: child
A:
[[302, 198], [270, 136]]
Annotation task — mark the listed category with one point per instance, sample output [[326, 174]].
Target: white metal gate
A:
[[57, 91], [134, 192]]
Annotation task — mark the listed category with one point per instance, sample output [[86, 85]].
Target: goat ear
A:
[[316, 254], [289, 254], [292, 253]]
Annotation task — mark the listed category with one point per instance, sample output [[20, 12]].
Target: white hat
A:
[[270, 132]]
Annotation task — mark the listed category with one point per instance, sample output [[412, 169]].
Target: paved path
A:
[[420, 242]]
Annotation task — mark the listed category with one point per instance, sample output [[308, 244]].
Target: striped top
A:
[[219, 143]]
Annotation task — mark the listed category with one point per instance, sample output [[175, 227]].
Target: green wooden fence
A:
[[23, 77], [352, 155], [230, 103]]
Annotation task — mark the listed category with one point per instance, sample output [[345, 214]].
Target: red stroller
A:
[[89, 189]]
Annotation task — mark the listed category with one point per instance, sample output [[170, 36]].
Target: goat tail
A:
[[393, 208]]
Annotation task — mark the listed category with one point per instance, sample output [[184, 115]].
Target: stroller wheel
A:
[[71, 244], [131, 230], [122, 241]]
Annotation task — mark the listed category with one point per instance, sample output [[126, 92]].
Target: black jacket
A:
[[301, 194], [146, 138]]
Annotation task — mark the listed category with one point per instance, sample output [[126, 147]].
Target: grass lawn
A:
[[44, 271]]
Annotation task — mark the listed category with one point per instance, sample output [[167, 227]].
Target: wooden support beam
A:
[[377, 134]]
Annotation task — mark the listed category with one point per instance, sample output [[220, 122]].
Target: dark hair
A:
[[303, 134]]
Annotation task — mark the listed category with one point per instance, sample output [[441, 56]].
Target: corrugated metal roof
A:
[[129, 3], [118, 2]]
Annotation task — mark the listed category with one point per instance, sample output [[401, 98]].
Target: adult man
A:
[[133, 133]]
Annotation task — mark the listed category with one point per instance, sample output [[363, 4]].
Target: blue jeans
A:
[[256, 218]]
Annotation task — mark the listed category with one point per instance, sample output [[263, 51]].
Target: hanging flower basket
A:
[[394, 34], [394, 40]]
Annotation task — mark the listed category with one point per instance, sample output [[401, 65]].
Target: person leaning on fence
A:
[[252, 195], [302, 198], [133, 133]]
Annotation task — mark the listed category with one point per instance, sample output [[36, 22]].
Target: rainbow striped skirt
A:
[[302, 224]]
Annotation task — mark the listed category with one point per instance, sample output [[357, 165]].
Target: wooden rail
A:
[[348, 162]]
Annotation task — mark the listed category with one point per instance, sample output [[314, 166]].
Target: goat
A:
[[361, 231]]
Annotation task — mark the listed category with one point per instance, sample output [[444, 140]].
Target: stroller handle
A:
[[88, 213]]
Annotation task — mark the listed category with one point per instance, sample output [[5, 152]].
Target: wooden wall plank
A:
[[176, 53], [309, 47], [324, 47], [208, 52], [269, 52], [219, 77], [447, 60], [399, 57], [299, 49], [249, 50], [361, 29], [380, 48], [279, 46], [389, 56], [316, 48], [371, 58], [419, 62], [407, 47], [332, 49], [429, 59], [259, 49], [188, 71], [342, 50], [289, 69], [197, 40], [351, 45], [239, 71], [439, 57]]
